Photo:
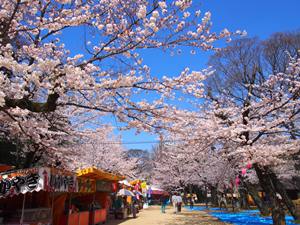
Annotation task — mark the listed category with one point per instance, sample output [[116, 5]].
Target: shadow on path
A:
[[194, 218]]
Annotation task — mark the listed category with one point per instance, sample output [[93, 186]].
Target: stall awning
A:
[[4, 167], [125, 183], [125, 192], [157, 192], [97, 174]]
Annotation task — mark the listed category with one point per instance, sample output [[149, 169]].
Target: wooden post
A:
[[23, 208], [93, 207], [52, 206]]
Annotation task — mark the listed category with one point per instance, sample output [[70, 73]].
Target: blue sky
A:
[[258, 17]]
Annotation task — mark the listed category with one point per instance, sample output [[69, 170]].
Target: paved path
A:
[[153, 216]]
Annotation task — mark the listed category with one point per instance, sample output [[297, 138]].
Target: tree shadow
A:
[[113, 221], [192, 218]]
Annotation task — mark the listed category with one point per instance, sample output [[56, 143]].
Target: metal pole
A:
[[23, 208]]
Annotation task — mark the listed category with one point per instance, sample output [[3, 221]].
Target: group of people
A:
[[176, 201]]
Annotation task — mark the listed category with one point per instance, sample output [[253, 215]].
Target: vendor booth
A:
[[52, 196], [34, 196], [78, 205], [105, 184]]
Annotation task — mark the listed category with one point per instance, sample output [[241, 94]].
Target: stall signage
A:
[[104, 186], [19, 184], [86, 185], [62, 183], [35, 180], [57, 182]]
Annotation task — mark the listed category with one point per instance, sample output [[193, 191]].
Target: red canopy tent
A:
[[159, 192]]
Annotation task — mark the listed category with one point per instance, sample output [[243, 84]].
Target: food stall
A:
[[77, 206], [34, 196], [53, 196], [105, 183]]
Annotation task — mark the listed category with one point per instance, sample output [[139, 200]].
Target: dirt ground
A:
[[153, 216]]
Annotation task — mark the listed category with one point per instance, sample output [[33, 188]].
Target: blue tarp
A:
[[249, 217], [200, 208]]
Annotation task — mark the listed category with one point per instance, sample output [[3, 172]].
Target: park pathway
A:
[[153, 216]]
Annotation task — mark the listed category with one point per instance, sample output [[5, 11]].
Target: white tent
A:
[[126, 183], [125, 192]]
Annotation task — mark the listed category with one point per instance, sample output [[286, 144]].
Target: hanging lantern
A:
[[114, 187], [249, 166], [244, 171]]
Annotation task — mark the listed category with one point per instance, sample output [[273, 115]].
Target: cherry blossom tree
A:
[[257, 118], [182, 162], [103, 150], [261, 129], [252, 121], [44, 87]]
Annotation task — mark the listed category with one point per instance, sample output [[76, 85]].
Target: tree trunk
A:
[[232, 199], [214, 196], [244, 199], [287, 201], [263, 207], [278, 215], [277, 210], [206, 198]]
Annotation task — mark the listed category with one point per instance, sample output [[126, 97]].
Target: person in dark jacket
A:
[[163, 201], [191, 200]]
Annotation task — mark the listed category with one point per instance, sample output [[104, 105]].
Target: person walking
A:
[[179, 202], [163, 202], [223, 201], [174, 202], [117, 206], [191, 202], [134, 205]]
